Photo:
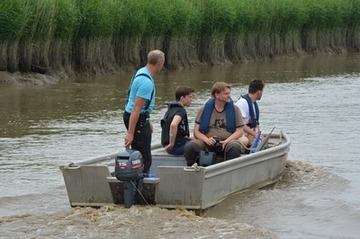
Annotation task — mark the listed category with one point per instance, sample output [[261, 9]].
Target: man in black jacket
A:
[[175, 126]]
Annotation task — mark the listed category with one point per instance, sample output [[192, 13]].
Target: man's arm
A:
[[173, 131], [244, 110], [134, 117], [250, 131], [203, 137], [236, 135]]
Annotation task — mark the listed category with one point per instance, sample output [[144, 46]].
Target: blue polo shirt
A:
[[143, 87]]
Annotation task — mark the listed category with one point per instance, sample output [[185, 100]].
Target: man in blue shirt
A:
[[140, 103]]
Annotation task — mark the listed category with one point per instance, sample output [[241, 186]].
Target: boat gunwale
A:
[[158, 147]]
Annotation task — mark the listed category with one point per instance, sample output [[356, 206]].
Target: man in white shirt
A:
[[250, 111]]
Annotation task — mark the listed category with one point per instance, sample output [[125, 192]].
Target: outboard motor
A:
[[129, 169]]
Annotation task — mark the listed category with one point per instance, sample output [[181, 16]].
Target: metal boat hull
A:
[[90, 183]]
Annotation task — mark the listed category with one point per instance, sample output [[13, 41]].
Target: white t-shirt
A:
[[244, 109]]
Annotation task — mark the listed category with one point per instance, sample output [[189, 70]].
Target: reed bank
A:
[[96, 36]]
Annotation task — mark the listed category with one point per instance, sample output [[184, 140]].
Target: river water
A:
[[314, 100]]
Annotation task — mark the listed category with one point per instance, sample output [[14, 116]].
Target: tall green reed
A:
[[95, 30]]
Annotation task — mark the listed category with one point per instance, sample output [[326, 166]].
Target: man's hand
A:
[[128, 140], [210, 141], [169, 147]]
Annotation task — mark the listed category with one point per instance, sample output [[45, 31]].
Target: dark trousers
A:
[[193, 148], [142, 138]]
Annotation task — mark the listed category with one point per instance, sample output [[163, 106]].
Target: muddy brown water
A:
[[314, 100]]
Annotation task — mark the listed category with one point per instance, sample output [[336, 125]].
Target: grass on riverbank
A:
[[93, 35]]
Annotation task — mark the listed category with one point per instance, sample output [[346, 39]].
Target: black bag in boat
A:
[[129, 165], [207, 158]]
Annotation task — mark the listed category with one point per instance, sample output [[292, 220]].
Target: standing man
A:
[[250, 111], [218, 127], [175, 125], [139, 105]]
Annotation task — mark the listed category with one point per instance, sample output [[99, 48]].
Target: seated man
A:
[[218, 123], [250, 111], [175, 125]]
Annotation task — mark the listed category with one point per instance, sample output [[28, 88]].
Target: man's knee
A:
[[191, 152], [233, 150], [244, 140]]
